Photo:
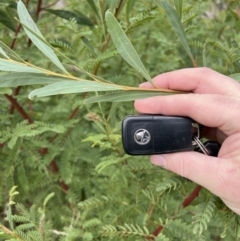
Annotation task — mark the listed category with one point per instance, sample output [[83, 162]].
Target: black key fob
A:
[[157, 134]]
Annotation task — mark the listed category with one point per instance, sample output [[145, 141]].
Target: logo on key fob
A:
[[142, 137]]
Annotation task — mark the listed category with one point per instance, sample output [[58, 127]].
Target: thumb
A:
[[205, 170]]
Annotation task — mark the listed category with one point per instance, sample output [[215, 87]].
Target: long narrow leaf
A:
[[13, 66], [26, 19], [21, 79], [79, 17], [93, 6], [125, 96], [3, 53], [124, 46], [70, 60], [129, 6], [178, 6], [5, 20], [10, 52], [70, 87], [175, 22]]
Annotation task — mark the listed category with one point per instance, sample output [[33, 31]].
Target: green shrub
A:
[[64, 174]]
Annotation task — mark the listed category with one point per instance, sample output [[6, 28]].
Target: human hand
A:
[[214, 102]]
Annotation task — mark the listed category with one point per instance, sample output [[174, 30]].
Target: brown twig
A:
[[19, 108], [15, 38], [16, 92], [192, 196], [38, 9]]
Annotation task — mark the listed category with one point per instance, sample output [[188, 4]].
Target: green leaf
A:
[[129, 7], [236, 19], [78, 16], [175, 22], [3, 53], [112, 4], [21, 79], [10, 52], [124, 96], [7, 91], [178, 6], [37, 38], [5, 20], [13, 66], [88, 44], [93, 6], [124, 46], [235, 76], [70, 87], [49, 196]]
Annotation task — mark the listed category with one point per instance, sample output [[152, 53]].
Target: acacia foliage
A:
[[64, 174]]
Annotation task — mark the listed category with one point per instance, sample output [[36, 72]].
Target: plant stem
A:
[[10, 233], [19, 108], [194, 194]]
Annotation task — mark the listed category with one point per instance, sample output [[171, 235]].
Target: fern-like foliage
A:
[[24, 129], [168, 184], [128, 230], [181, 230], [91, 64], [203, 215], [31, 225], [60, 43]]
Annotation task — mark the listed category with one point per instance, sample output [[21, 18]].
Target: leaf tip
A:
[[107, 13], [31, 96]]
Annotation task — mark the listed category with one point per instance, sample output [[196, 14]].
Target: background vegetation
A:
[[64, 174]]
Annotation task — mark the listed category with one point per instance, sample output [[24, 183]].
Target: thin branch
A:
[[10, 233], [16, 92], [192, 196], [19, 108], [15, 38], [38, 9]]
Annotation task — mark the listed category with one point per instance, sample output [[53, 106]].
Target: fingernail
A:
[[158, 160]]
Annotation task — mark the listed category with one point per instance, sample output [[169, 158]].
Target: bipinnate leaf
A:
[[124, 46], [176, 24], [70, 87], [37, 38]]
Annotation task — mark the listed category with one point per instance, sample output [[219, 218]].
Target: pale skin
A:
[[214, 102]]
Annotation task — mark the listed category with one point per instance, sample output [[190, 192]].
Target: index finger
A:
[[197, 80]]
